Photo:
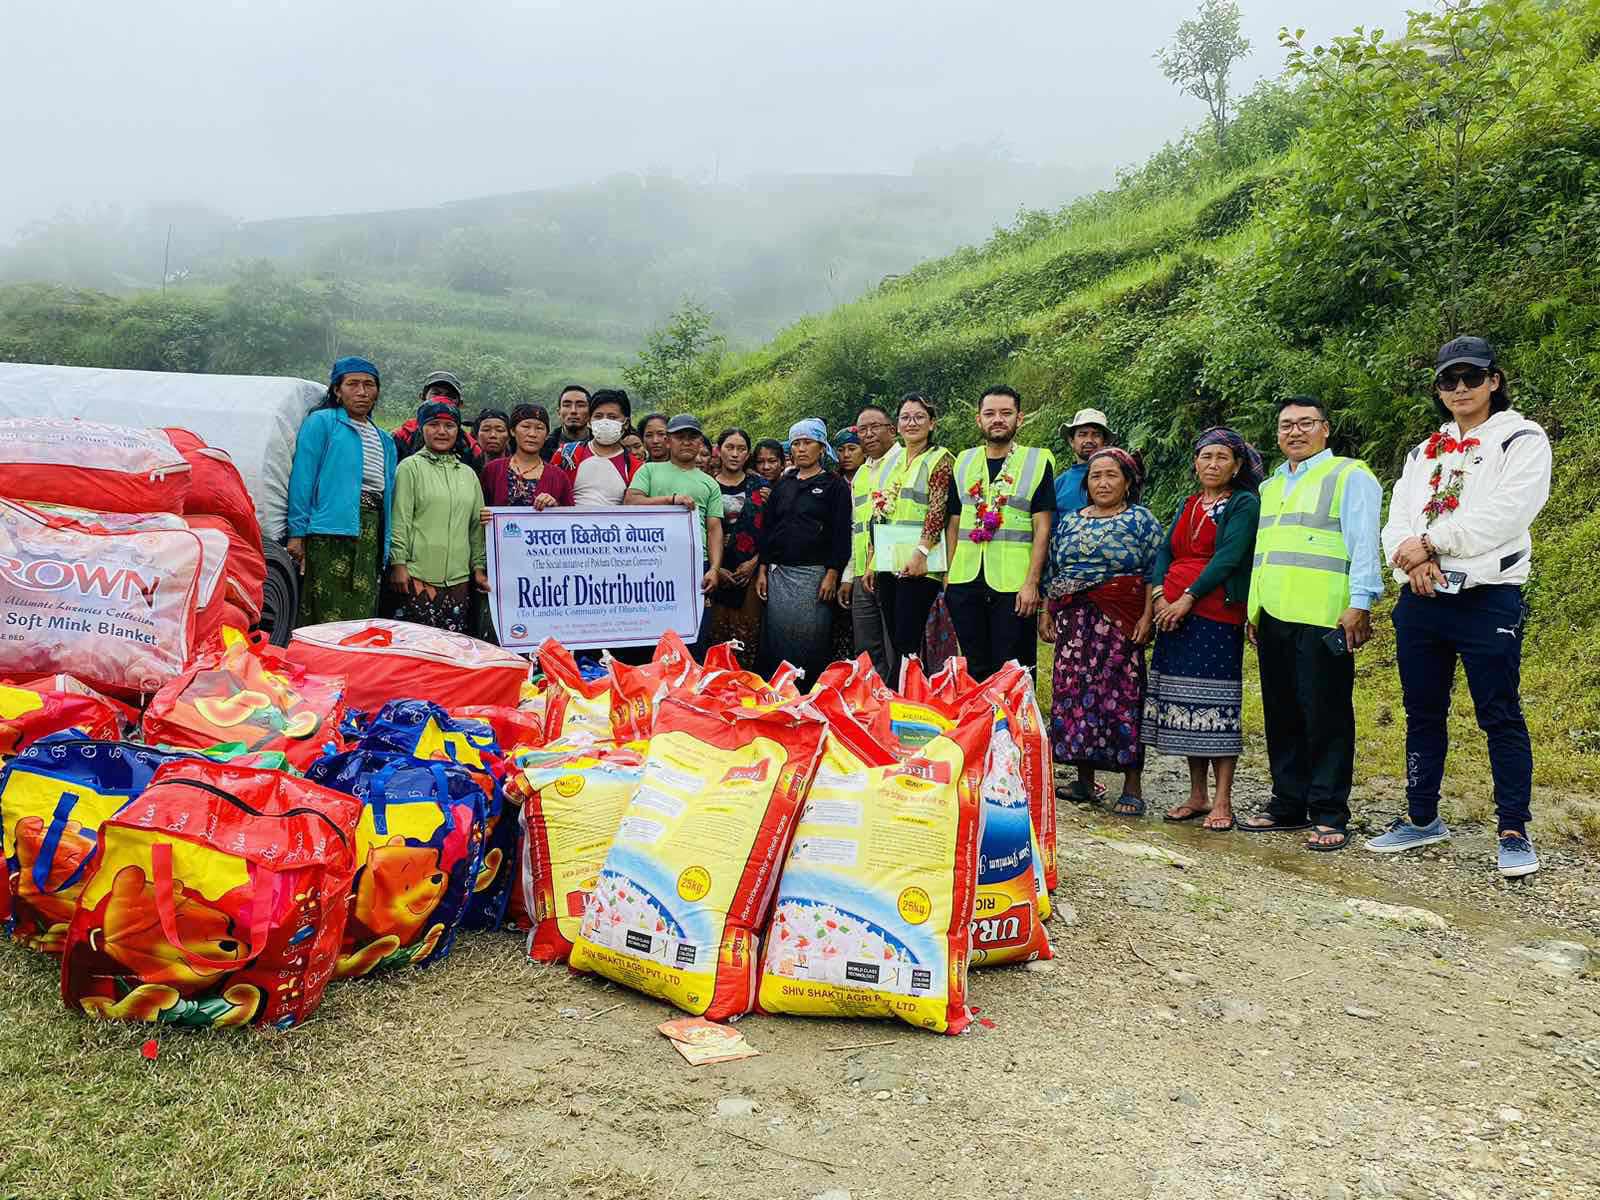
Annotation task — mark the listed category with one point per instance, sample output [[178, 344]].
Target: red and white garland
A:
[[1447, 479]]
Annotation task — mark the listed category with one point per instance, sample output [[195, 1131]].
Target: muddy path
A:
[[1230, 1026]]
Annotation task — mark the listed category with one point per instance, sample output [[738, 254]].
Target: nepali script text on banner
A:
[[593, 577]]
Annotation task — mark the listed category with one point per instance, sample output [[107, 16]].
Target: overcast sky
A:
[[285, 107]]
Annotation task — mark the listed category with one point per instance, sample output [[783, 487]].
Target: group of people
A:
[[880, 538]]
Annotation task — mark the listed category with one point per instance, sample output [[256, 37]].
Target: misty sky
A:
[[285, 107]]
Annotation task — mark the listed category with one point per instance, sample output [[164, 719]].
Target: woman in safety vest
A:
[[905, 562]]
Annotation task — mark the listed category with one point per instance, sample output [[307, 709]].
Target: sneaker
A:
[[1516, 856], [1403, 835]]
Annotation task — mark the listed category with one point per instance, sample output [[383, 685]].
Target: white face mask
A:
[[606, 430]]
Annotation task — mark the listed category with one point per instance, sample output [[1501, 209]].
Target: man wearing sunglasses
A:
[[1457, 538], [1317, 570], [881, 451]]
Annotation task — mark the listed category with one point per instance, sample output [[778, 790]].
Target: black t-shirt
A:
[[1044, 496], [806, 522]]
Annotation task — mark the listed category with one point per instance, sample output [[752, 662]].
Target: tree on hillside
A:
[[1201, 57], [679, 359]]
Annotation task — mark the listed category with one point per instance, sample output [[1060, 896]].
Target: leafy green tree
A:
[[1201, 56], [679, 359]]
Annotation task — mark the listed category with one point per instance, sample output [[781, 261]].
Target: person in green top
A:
[[679, 481], [436, 538]]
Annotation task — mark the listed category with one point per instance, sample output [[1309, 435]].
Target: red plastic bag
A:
[[637, 692], [215, 486], [115, 468], [576, 709], [383, 660], [513, 727], [219, 897], [244, 570], [28, 713], [252, 694]]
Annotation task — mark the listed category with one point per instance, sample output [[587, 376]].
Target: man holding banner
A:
[[679, 481]]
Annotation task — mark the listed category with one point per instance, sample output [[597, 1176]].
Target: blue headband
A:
[[352, 364], [429, 409]]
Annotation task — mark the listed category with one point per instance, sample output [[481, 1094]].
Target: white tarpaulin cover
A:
[[255, 418]]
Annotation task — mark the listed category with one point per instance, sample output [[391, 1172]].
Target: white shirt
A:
[[1505, 482]]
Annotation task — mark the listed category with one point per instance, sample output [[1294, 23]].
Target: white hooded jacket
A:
[[1506, 482]]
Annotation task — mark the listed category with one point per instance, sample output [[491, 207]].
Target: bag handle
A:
[[166, 911], [51, 842], [378, 799], [371, 636]]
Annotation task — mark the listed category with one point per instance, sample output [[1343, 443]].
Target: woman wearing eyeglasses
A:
[[1457, 538]]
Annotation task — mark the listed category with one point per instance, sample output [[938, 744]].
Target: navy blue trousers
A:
[[1481, 626]]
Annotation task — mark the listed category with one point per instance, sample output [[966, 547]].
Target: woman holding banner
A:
[[805, 543], [523, 479]]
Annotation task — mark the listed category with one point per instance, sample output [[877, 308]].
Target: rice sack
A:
[[686, 888], [1012, 904], [875, 905], [573, 799]]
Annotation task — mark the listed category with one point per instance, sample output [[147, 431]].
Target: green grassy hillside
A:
[[1386, 199]]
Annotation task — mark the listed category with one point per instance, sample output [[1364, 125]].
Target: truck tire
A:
[[280, 597]]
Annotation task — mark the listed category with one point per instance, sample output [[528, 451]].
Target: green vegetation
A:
[[1390, 192]]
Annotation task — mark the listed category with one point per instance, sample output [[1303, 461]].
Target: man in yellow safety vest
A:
[[1002, 500], [882, 453], [1317, 570]]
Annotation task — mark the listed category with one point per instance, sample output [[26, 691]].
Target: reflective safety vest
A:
[[872, 477], [1003, 561], [1301, 571], [911, 508]]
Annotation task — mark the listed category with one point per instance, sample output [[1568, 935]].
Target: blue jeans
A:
[[1482, 626]]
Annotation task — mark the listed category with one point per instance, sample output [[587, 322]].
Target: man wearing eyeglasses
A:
[[881, 452], [1317, 570]]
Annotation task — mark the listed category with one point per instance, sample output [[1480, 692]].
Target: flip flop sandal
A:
[[1137, 801], [1320, 848], [1228, 828], [1075, 793], [1194, 814], [1277, 826]]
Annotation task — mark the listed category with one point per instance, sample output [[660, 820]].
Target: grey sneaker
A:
[[1403, 835], [1517, 857]]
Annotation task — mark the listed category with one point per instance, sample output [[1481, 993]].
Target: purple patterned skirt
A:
[[1099, 684]]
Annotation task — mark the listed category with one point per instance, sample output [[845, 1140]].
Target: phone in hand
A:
[[1335, 641]]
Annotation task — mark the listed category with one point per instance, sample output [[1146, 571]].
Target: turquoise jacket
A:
[[325, 481]]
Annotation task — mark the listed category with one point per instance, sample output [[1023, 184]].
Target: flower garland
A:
[[991, 497], [1446, 486]]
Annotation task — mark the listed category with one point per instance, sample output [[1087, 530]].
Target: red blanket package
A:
[[114, 468], [395, 660]]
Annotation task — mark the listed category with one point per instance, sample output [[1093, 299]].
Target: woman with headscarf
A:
[[1202, 576], [1099, 618], [493, 431], [341, 486], [438, 542], [805, 543], [847, 444], [522, 479], [736, 609]]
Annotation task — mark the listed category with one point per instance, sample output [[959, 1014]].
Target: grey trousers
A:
[[871, 632]]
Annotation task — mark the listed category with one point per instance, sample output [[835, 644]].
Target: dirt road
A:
[[1227, 1027]]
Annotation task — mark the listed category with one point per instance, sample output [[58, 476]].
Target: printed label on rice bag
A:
[[1007, 919], [657, 916], [581, 802], [866, 901]]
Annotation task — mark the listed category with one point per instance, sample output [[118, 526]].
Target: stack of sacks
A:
[[218, 502]]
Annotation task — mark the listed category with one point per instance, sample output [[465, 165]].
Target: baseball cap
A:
[[1473, 351], [1086, 416], [444, 377], [685, 423]]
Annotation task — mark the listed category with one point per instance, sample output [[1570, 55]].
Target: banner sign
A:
[[593, 577]]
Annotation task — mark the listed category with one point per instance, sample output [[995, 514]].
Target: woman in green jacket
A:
[[1202, 573], [436, 544]]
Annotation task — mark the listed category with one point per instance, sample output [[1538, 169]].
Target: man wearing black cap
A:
[[679, 481], [441, 385], [1458, 540]]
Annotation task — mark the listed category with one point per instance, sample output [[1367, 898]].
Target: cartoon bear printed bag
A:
[[419, 853], [54, 796], [218, 898]]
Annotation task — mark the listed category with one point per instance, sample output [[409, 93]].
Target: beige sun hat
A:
[[1086, 416]]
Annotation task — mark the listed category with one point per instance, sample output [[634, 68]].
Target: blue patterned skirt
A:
[[1196, 691]]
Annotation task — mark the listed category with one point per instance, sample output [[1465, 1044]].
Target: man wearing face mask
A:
[[601, 468]]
